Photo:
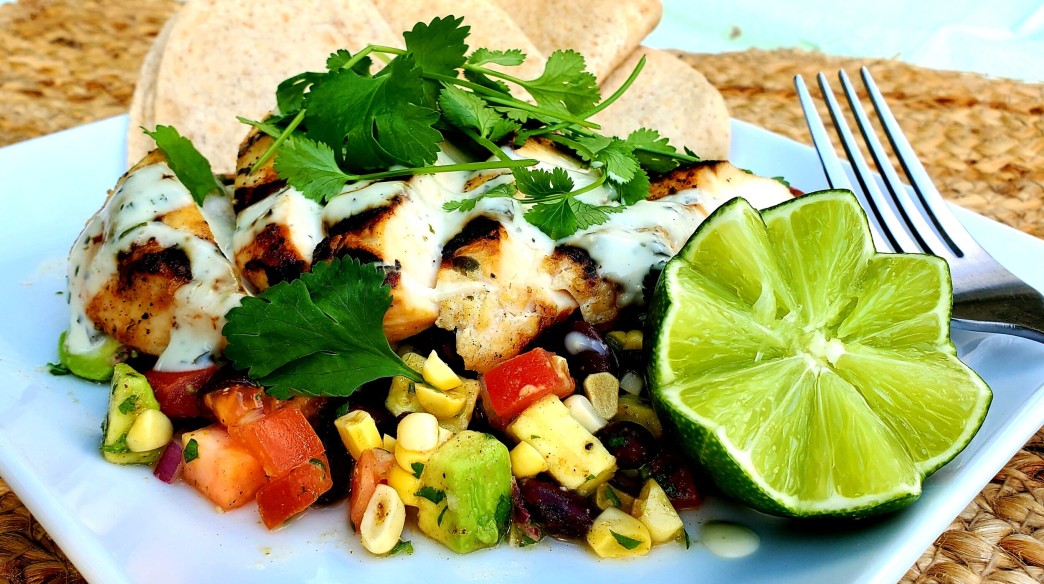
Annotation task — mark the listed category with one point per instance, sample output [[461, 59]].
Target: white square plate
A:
[[120, 525]]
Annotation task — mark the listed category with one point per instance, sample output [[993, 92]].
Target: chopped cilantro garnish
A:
[[441, 515], [127, 406], [192, 168], [403, 547], [319, 335], [418, 468], [432, 494], [627, 542], [58, 369], [191, 450], [610, 493], [683, 539]]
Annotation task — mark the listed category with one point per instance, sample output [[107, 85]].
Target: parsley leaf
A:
[[627, 542], [565, 85], [191, 167], [191, 451], [374, 122], [468, 111], [311, 168], [509, 58], [564, 217], [319, 335], [468, 203], [432, 494]]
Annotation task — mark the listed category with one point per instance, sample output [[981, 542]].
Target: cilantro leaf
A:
[[319, 335], [565, 84], [634, 190], [541, 184], [311, 168], [653, 150], [191, 451], [58, 369], [192, 168], [403, 547], [469, 111], [615, 156], [374, 122], [438, 46], [564, 217], [340, 58], [432, 494], [484, 80], [290, 93], [468, 203], [627, 542], [510, 57]]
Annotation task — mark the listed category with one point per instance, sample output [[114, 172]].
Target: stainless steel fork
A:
[[986, 296]]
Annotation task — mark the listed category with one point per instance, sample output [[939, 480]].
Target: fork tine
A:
[[917, 236], [836, 176], [930, 201], [892, 226]]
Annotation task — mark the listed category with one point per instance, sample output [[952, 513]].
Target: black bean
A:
[[587, 351], [672, 473], [341, 463], [562, 513], [632, 444]]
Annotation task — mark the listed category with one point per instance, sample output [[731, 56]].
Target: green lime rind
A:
[[810, 375]]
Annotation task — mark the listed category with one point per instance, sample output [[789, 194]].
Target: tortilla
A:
[[142, 106], [225, 58], [669, 96], [605, 33], [491, 27]]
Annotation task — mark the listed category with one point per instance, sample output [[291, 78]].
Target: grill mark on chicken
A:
[[273, 260], [251, 187], [576, 272], [244, 196], [141, 294], [689, 177], [476, 229]]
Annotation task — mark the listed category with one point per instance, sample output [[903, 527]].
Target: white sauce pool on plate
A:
[[729, 540]]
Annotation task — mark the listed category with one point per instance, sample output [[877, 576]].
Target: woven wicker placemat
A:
[[66, 62]]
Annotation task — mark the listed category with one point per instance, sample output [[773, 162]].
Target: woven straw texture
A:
[[66, 62]]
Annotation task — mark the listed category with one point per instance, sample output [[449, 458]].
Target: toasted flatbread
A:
[[605, 33], [672, 97], [491, 27], [142, 110], [225, 58]]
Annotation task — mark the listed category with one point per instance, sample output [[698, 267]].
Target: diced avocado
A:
[[130, 396], [465, 495], [96, 365]]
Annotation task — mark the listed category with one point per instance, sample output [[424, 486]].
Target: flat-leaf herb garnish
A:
[[192, 168], [349, 124], [319, 335]]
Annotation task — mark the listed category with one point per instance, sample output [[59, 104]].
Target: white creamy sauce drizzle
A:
[[287, 207], [729, 540], [132, 216]]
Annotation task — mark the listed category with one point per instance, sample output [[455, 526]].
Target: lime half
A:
[[810, 375]]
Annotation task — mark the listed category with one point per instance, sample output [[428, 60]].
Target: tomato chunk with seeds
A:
[[281, 440], [292, 493], [371, 469], [178, 391], [220, 467], [521, 381]]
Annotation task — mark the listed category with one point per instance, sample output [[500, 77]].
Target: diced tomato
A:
[[309, 406], [288, 495], [371, 469], [281, 440], [230, 404], [519, 382], [223, 470], [178, 391]]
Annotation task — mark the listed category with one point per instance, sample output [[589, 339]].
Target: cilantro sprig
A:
[[316, 336], [350, 123], [192, 168]]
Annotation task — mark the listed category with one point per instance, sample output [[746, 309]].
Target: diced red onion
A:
[[169, 463]]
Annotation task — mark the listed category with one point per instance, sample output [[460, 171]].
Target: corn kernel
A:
[[438, 374], [633, 341], [444, 435], [406, 483], [389, 442], [582, 411], [615, 534], [418, 431], [441, 404], [607, 496], [358, 432], [654, 509], [618, 337], [406, 458], [383, 520], [603, 390], [470, 390], [526, 461], [149, 431], [632, 383]]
